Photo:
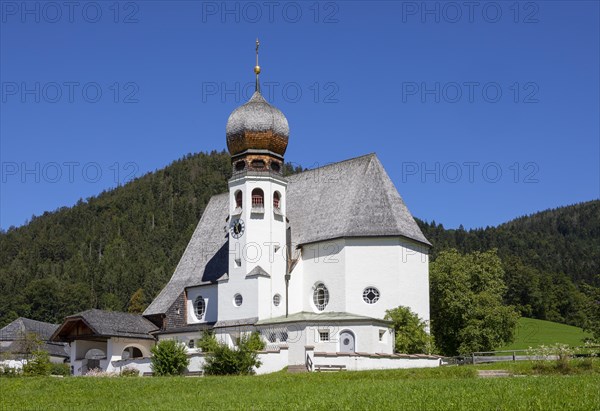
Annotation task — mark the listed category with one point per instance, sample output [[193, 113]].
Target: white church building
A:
[[312, 261]]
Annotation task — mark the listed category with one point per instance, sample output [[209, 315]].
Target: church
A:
[[311, 261]]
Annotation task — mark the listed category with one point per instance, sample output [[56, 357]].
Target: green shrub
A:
[[38, 364], [207, 342], [169, 358], [240, 360], [130, 372], [410, 334], [60, 369], [255, 343], [9, 372], [586, 364]]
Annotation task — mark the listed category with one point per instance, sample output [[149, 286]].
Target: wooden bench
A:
[[194, 373], [319, 368], [147, 374]]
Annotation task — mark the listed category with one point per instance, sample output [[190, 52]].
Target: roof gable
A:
[[258, 271], [102, 323], [16, 329]]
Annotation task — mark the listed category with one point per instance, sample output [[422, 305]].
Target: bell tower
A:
[[257, 137]]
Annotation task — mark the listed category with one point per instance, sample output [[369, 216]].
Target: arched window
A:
[[258, 198], [258, 164], [321, 296], [240, 165], [238, 199], [200, 307], [131, 352], [276, 200]]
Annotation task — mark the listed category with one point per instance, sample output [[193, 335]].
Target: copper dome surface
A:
[[257, 125]]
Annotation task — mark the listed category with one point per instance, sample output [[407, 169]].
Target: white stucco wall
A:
[[262, 244], [113, 349], [210, 295], [357, 363], [322, 262], [248, 288], [271, 361], [398, 268], [303, 334]]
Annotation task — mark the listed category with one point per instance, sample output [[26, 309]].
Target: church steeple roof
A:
[[257, 124]]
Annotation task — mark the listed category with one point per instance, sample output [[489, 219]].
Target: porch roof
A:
[[331, 316], [98, 324]]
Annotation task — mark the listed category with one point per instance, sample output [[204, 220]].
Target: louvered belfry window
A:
[[258, 198], [238, 199]]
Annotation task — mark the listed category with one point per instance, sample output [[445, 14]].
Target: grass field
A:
[[455, 388], [533, 333]]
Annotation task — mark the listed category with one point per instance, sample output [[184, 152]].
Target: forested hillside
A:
[[126, 242], [99, 252]]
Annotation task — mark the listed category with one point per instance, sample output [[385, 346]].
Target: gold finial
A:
[[257, 67]]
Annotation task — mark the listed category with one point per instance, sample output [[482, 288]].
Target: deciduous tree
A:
[[467, 311]]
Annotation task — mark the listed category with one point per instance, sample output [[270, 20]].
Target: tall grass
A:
[[426, 389]]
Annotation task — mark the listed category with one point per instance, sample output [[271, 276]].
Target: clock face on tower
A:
[[237, 228]]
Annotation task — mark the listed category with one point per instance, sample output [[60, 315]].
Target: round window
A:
[[371, 295], [276, 300], [321, 296], [238, 300], [200, 306]]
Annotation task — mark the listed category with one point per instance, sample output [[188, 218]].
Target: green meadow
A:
[[533, 333], [444, 388]]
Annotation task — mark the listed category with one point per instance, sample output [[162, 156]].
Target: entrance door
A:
[[346, 341], [93, 364]]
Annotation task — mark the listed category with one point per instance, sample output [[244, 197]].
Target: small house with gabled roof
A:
[[23, 335], [101, 339]]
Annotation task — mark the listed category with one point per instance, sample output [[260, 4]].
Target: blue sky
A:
[[478, 114]]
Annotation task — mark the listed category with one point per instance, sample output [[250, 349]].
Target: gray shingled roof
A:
[[112, 324], [204, 260], [21, 326], [257, 115], [329, 316], [352, 198], [55, 349]]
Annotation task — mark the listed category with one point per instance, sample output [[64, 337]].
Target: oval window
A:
[[200, 306], [238, 300], [321, 296]]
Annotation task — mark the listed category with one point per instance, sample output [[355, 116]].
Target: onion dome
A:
[[257, 125]]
